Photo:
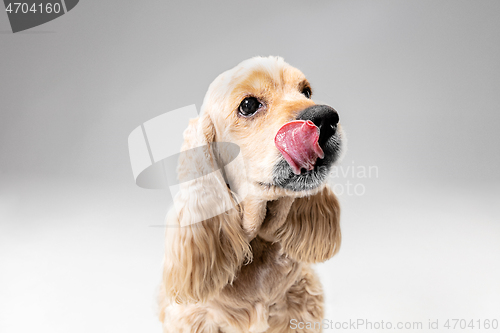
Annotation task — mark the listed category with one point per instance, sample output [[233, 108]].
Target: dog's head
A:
[[288, 142]]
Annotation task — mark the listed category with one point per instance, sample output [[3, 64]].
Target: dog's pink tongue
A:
[[298, 143]]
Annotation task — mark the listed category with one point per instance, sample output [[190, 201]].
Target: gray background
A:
[[416, 84]]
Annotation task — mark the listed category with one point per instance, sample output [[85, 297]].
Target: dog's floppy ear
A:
[[311, 232], [205, 243]]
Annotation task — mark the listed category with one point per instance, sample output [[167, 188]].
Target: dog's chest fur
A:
[[266, 276], [260, 288]]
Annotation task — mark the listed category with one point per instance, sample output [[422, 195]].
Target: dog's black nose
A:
[[324, 117]]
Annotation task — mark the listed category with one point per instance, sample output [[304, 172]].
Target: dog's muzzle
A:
[[325, 118], [309, 145], [302, 141]]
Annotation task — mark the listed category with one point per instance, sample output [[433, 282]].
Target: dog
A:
[[247, 229]]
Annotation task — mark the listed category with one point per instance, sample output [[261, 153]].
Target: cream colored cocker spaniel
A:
[[249, 221]]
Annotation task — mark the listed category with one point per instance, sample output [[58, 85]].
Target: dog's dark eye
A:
[[249, 106], [306, 91]]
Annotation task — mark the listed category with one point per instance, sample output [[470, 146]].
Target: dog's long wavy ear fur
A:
[[311, 232], [203, 252]]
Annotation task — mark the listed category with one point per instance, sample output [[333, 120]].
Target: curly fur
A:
[[241, 263]]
